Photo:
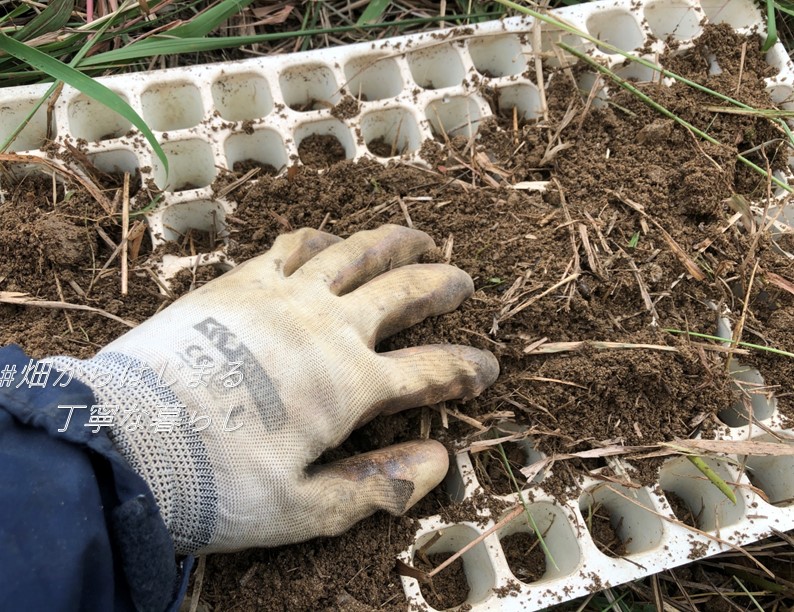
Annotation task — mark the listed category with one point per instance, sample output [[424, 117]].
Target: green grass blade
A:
[[206, 22], [87, 45], [749, 594], [530, 518], [373, 12], [771, 27], [758, 347], [162, 45], [713, 477], [788, 10], [53, 17], [61, 72]]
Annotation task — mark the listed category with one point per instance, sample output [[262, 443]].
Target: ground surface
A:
[[623, 275]]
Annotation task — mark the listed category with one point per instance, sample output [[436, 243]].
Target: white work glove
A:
[[295, 330]]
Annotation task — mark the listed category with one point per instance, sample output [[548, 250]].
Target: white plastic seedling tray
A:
[[410, 89]]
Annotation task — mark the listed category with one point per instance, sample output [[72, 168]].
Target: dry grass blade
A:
[[532, 300], [737, 333], [646, 297], [733, 447], [23, 299], [125, 228], [96, 193], [566, 347], [779, 282], [198, 582], [484, 445], [691, 267]]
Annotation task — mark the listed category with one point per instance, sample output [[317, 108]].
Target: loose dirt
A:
[[633, 235]]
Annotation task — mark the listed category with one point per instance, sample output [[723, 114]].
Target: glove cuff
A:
[[153, 431]]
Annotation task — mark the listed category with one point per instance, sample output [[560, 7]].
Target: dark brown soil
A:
[[246, 165], [449, 587], [604, 535], [378, 146], [525, 556], [682, 510], [321, 150], [576, 263]]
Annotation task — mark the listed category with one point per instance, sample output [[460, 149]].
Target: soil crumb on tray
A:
[[636, 233]]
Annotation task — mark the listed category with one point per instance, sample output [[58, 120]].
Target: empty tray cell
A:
[[736, 13], [436, 67], [708, 507], [206, 219], [172, 106], [309, 87], [620, 520], [753, 395], [553, 56], [773, 475], [777, 57], [191, 164], [391, 132], [263, 147], [94, 121], [616, 27], [116, 161], [497, 56], [590, 84], [12, 114], [454, 116], [321, 143], [477, 567], [525, 98], [373, 78], [523, 550], [460, 481], [638, 73], [238, 97], [781, 95], [675, 19]]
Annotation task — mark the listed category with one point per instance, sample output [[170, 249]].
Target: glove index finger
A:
[[426, 375], [349, 264]]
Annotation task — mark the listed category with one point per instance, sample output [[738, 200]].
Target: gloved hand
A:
[[295, 330]]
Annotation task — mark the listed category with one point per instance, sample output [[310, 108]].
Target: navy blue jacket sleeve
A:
[[79, 529]]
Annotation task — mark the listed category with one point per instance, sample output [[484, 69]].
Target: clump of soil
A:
[[321, 150], [525, 556], [346, 108], [448, 588], [632, 236]]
